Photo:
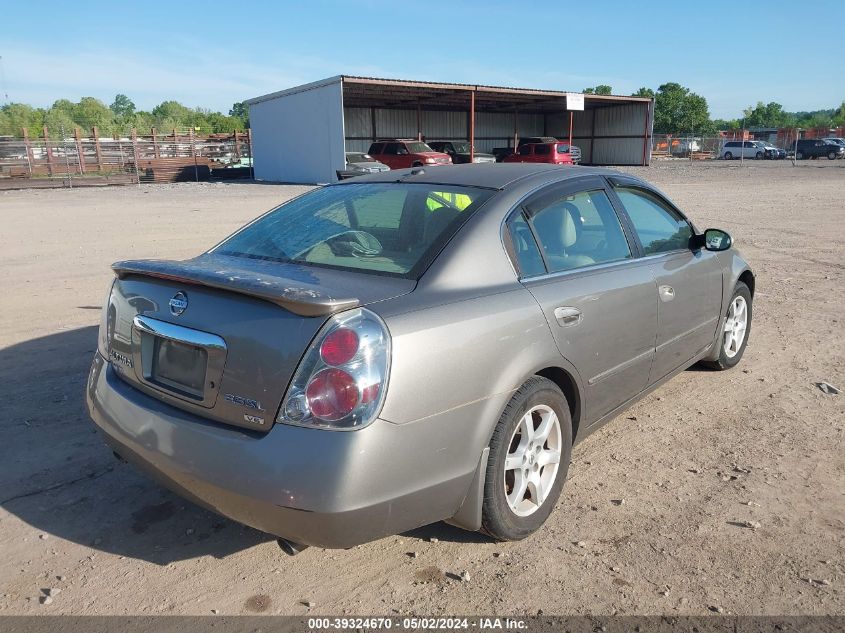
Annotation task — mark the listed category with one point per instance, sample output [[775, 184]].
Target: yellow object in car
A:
[[458, 200]]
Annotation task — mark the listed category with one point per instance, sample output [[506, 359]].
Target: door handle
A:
[[567, 316], [667, 293]]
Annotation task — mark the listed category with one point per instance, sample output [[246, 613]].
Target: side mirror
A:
[[714, 240]]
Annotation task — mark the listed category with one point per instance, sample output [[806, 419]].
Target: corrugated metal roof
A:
[[408, 94]]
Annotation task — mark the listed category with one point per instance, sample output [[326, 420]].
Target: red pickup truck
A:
[[553, 153], [400, 153]]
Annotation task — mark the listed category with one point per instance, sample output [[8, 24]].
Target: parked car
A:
[[459, 152], [773, 153], [359, 163], [836, 140], [503, 152], [554, 153], [744, 149], [401, 153], [574, 152], [342, 368], [815, 148]]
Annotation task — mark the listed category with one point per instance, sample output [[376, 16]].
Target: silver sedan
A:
[[410, 347]]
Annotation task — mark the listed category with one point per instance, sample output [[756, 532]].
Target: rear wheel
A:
[[736, 329], [529, 459]]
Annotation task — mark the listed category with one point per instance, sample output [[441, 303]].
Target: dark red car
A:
[[553, 153], [400, 153]]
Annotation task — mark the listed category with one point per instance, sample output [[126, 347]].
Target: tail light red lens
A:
[[332, 394], [339, 346], [341, 382]]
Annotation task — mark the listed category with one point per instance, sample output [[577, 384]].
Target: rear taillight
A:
[[341, 382], [107, 321]]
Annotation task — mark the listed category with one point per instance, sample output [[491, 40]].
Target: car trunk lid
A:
[[221, 336]]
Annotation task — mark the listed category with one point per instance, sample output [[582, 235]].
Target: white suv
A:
[[747, 149]]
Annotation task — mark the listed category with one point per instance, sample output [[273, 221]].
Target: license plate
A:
[[179, 366]]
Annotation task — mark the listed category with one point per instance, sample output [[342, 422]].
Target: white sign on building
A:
[[574, 101]]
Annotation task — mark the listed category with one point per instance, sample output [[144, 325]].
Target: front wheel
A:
[[736, 330], [799, 155], [758, 155], [728, 156], [831, 156], [529, 459]]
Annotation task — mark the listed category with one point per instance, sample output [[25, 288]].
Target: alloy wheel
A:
[[735, 326], [533, 459]]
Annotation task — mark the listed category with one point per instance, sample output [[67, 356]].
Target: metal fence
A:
[[67, 158], [691, 147]]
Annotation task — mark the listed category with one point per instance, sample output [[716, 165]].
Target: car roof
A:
[[487, 175]]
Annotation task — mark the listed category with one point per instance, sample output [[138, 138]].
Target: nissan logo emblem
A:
[[178, 304]]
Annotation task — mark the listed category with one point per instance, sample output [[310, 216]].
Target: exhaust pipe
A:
[[289, 547]]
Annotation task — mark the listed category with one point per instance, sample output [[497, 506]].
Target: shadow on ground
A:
[[57, 475]]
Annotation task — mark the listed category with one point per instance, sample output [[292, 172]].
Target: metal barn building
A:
[[300, 134]]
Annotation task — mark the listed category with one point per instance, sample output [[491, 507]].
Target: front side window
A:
[[386, 228], [658, 226], [579, 230]]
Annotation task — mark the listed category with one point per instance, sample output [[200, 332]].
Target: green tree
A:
[[172, 112], [678, 110], [644, 92], [20, 115], [90, 112], [122, 106], [601, 89]]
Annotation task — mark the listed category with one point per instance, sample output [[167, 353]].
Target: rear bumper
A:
[[316, 487]]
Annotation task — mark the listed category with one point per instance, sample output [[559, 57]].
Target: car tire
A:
[[505, 515], [758, 156], [731, 351], [728, 156], [417, 164], [799, 155], [831, 156]]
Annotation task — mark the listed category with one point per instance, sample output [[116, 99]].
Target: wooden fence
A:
[[71, 158]]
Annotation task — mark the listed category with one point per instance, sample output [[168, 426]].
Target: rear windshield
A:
[[392, 229]]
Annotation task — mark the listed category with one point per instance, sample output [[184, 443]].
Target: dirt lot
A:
[[650, 522]]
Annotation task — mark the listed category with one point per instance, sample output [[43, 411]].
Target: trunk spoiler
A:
[[258, 281]]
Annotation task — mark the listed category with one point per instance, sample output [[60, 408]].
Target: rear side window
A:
[[525, 246], [542, 149], [525, 150], [579, 230], [658, 226], [392, 148], [375, 148], [385, 228]]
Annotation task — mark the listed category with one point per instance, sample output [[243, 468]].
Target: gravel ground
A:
[[652, 521]]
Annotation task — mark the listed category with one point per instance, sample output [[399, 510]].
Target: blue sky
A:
[[212, 53]]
